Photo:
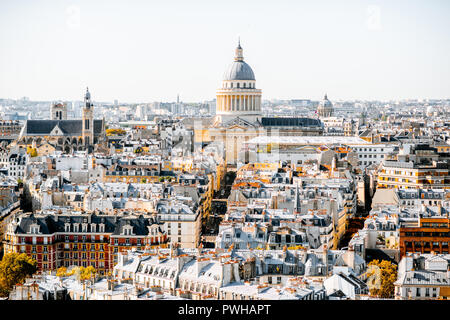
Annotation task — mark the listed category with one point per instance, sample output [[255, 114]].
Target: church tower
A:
[[88, 120], [58, 111]]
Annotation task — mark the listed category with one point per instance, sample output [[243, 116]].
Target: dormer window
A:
[[127, 230], [84, 227], [101, 227], [93, 227], [75, 227], [67, 227], [34, 228]]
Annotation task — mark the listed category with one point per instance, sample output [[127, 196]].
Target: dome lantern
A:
[[239, 52]]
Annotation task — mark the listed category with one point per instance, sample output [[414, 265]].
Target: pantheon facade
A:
[[239, 117]]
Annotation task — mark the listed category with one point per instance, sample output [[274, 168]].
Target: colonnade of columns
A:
[[245, 102]]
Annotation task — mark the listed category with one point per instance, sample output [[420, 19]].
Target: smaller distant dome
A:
[[325, 102], [430, 109]]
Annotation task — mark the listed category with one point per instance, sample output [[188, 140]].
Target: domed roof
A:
[[239, 70], [325, 102]]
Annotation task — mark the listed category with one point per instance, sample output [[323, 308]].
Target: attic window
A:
[[34, 228], [127, 230]]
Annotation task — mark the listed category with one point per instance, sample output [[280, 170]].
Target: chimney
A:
[[111, 284], [123, 257]]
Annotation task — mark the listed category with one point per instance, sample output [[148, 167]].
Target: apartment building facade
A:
[[57, 240], [432, 234]]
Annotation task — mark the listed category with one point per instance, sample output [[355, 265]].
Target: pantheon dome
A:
[[239, 69], [238, 96]]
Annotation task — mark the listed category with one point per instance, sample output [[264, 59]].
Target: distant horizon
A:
[[367, 50], [203, 101]]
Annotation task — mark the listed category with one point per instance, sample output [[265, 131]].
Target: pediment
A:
[[57, 131], [237, 127]]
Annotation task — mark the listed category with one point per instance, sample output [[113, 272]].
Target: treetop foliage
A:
[[14, 269]]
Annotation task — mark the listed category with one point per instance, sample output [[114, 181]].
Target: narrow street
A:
[[354, 225], [218, 210]]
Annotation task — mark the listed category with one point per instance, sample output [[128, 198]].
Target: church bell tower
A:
[[88, 120]]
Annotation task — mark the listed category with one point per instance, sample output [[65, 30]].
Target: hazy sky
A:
[[143, 51]]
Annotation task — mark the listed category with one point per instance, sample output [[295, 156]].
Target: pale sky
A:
[[144, 51]]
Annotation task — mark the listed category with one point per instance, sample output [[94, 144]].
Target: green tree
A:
[[381, 278], [14, 269]]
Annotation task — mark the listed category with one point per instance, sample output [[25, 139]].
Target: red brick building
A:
[[431, 234], [56, 240]]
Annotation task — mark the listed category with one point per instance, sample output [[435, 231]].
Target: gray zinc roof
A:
[[69, 127]]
